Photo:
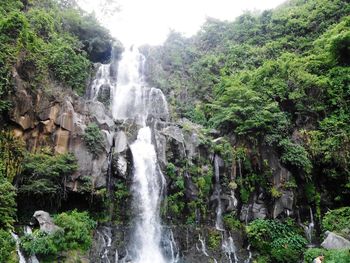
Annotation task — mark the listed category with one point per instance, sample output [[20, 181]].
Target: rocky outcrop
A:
[[334, 241], [45, 222]]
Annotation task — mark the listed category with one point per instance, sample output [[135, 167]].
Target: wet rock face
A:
[[187, 243], [45, 222]]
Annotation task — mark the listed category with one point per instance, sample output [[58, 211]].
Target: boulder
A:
[[284, 203], [120, 142], [45, 222], [334, 241]]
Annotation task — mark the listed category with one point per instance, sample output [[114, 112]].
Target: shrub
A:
[[7, 203], [232, 223], [77, 228], [43, 176], [214, 239], [337, 220], [276, 240], [288, 249], [93, 139], [75, 234], [7, 246], [41, 243], [330, 256]]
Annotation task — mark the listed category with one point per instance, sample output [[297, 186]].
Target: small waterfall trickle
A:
[[310, 229], [229, 248], [203, 248], [106, 237], [218, 223], [250, 254], [21, 257], [103, 78]]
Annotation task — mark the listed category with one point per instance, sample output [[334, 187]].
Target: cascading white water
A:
[[132, 100], [218, 223], [228, 246], [19, 252], [147, 187]]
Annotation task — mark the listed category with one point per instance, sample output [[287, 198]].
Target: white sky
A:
[[149, 21]]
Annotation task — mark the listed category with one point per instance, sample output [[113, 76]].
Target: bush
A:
[[7, 246], [42, 244], [280, 241], [93, 139], [7, 203], [75, 234], [337, 220], [77, 228], [44, 175], [231, 223], [288, 249], [68, 64], [330, 256]]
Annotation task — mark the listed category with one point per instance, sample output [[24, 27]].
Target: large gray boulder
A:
[[334, 241], [45, 222]]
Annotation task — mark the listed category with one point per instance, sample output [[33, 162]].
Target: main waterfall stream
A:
[[132, 100]]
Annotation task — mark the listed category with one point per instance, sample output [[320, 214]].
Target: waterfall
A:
[[310, 228], [133, 100], [218, 224], [147, 189]]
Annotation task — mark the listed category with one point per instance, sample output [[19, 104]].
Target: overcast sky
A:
[[149, 21]]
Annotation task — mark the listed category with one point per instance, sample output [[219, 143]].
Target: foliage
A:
[[47, 40], [288, 249], [231, 223], [214, 239], [330, 256], [7, 203], [77, 228], [280, 241], [277, 79], [75, 233], [44, 175], [7, 246], [11, 156], [93, 139], [337, 220]]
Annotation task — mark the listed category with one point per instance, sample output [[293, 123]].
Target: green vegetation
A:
[[93, 139], [278, 241], [330, 256], [7, 247], [337, 220], [75, 234], [45, 40], [11, 157], [231, 223], [44, 176], [214, 239]]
